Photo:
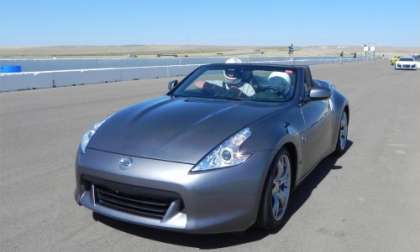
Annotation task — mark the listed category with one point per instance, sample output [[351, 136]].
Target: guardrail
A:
[[60, 78]]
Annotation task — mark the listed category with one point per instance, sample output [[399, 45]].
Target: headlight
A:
[[226, 154], [89, 134]]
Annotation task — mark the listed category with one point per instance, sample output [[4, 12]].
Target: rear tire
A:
[[276, 194], [342, 138]]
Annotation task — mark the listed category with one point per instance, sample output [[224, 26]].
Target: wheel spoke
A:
[[279, 204], [283, 181], [281, 187], [283, 198], [280, 170], [343, 131], [276, 206], [275, 189]]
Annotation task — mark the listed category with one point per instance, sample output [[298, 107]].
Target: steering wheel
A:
[[235, 92]]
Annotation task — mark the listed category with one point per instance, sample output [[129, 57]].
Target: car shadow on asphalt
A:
[[215, 241]]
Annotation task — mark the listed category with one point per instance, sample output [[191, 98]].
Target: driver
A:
[[234, 79]]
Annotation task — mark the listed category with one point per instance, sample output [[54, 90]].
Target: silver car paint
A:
[[184, 130], [157, 128], [207, 196]]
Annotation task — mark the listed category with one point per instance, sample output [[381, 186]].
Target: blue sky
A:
[[234, 22]]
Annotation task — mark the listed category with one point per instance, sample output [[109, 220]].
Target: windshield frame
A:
[[187, 81]]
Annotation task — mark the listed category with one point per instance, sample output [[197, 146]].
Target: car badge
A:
[[125, 163]]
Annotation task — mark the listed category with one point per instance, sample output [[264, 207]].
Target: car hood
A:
[[175, 129], [406, 62]]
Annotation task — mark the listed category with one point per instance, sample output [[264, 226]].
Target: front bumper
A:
[[222, 200], [405, 67]]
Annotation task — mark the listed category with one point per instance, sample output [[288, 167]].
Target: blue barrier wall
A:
[[10, 69]]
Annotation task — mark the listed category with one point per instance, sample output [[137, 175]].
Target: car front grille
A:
[[134, 205], [141, 201]]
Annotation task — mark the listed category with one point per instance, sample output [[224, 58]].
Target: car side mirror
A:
[[320, 93], [172, 84]]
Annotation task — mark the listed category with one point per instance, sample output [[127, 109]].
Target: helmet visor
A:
[[232, 73]]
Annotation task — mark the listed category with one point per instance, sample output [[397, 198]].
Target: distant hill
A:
[[188, 51]]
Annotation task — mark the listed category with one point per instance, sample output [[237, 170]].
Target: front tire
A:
[[276, 194], [342, 138]]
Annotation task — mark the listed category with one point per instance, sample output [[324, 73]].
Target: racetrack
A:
[[368, 200]]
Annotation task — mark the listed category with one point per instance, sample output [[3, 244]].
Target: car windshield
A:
[[240, 82], [406, 59]]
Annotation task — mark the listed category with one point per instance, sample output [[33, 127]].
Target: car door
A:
[[316, 140]]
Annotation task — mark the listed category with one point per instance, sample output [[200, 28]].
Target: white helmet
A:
[[281, 75], [233, 60], [232, 75], [280, 80]]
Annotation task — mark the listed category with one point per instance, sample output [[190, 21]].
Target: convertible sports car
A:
[[220, 152]]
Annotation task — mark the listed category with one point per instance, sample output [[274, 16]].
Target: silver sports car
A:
[[220, 152]]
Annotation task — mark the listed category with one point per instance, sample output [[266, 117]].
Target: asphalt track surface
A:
[[368, 200]]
